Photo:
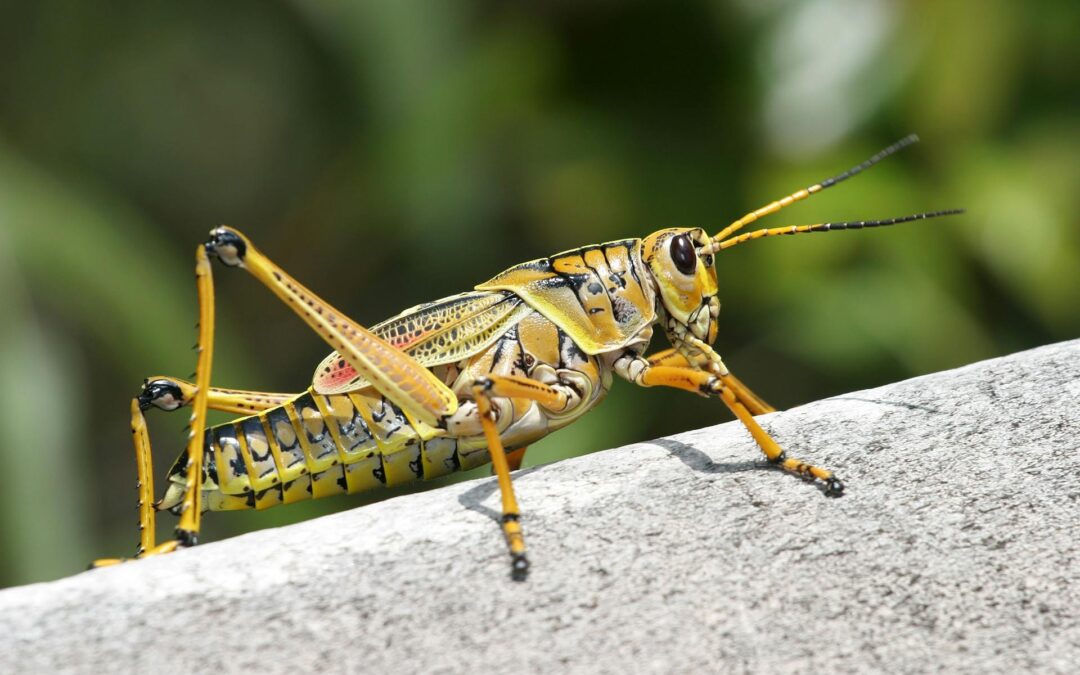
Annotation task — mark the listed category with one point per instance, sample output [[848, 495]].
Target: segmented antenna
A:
[[817, 187], [828, 227]]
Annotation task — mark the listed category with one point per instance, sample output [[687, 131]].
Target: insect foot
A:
[[105, 562], [186, 538], [519, 567], [834, 487], [227, 245]]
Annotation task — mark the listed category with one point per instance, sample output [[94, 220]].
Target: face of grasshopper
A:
[[681, 263]]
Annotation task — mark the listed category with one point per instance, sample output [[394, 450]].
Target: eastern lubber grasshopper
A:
[[459, 382]]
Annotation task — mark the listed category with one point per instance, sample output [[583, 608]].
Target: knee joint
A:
[[162, 393]]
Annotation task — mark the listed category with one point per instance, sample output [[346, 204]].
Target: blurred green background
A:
[[390, 153]]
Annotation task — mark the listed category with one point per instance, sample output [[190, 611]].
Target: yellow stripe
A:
[[301, 436], [423, 431], [275, 449], [420, 439], [216, 448], [330, 422], [245, 454], [365, 412]]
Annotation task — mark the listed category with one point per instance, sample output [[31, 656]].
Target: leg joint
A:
[[162, 393], [712, 387], [227, 246], [186, 538]]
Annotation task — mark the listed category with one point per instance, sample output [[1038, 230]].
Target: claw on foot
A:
[[105, 562], [186, 538], [160, 549], [519, 567]]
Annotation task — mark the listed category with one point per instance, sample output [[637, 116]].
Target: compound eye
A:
[[682, 252]]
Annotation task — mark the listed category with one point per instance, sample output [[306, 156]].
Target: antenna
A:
[[813, 189], [828, 227]]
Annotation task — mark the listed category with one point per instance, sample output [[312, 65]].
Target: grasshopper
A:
[[457, 383]]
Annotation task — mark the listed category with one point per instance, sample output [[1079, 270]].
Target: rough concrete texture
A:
[[955, 549]]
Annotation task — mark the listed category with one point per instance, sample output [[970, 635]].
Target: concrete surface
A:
[[955, 549]]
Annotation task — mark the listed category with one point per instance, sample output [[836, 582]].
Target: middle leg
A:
[[514, 458], [511, 387]]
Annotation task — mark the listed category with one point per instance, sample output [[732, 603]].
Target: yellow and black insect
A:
[[459, 382]]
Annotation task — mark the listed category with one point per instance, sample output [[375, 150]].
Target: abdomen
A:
[[316, 445], [312, 447]]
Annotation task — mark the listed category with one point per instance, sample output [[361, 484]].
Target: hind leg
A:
[[188, 528], [145, 469], [171, 393]]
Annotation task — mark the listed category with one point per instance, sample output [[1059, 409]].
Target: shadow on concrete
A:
[[472, 499], [898, 404], [702, 463]]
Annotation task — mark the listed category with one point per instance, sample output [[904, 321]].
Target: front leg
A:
[[641, 372], [754, 403], [509, 386]]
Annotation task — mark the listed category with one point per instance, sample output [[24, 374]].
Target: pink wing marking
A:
[[337, 372]]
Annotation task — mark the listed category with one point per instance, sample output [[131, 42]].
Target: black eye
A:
[[682, 252]]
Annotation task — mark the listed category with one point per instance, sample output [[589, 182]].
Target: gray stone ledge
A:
[[955, 548]]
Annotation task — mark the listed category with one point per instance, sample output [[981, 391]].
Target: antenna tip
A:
[[910, 139]]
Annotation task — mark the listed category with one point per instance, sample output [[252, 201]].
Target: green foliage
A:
[[390, 153]]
